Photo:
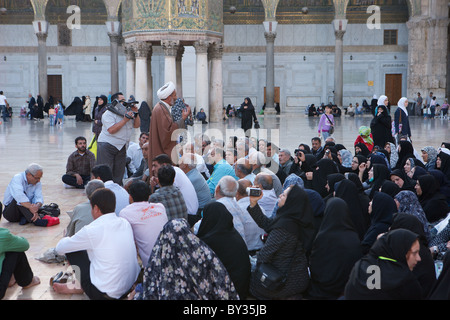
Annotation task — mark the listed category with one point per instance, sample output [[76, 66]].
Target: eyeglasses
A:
[[37, 178]]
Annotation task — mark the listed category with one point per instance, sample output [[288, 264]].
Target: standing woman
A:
[[381, 124], [101, 108], [248, 114], [326, 123], [290, 237], [401, 120]]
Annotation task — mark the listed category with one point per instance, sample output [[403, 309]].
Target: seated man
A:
[[243, 170], [82, 215], [221, 168], [189, 166], [135, 153], [169, 195], [103, 251], [140, 173], [79, 165], [23, 198], [181, 181], [269, 200], [225, 193], [104, 173], [146, 219], [201, 116]]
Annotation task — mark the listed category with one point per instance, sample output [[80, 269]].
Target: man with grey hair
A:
[[23, 197], [225, 193], [285, 164], [188, 164], [258, 161], [243, 170], [264, 182], [82, 213]]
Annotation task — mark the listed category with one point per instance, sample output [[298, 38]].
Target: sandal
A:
[[56, 277], [61, 277]]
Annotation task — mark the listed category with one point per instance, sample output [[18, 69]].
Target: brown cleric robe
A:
[[161, 128]]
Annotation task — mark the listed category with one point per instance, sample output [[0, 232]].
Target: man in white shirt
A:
[[181, 181], [146, 219], [114, 138], [269, 198], [134, 152], [3, 106], [103, 252], [104, 173]]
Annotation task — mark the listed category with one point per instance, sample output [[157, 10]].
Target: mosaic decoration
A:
[[320, 11], [181, 15]]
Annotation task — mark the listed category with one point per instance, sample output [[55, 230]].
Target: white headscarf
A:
[[401, 104], [166, 90], [381, 100]]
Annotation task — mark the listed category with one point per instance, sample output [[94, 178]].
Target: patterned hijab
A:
[[409, 203], [183, 267], [347, 158]]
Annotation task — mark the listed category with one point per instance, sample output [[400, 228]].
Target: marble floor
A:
[[23, 142]]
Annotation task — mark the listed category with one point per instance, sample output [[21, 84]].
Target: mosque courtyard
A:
[[24, 141]]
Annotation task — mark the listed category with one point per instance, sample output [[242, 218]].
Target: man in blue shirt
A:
[[221, 168], [23, 197]]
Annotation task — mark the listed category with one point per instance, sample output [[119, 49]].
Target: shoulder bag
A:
[[331, 130]]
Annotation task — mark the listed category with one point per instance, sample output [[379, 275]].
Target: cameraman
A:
[[115, 136]]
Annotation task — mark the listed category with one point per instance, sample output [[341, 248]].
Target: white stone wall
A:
[[301, 82]]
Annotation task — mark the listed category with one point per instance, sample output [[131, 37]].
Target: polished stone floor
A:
[[23, 142]]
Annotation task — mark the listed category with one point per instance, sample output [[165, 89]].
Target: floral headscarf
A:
[[393, 158], [183, 267]]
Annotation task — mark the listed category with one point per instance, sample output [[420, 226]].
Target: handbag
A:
[[257, 126], [51, 209], [269, 276], [331, 130]]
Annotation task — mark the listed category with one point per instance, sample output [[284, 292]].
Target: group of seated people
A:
[[314, 111], [191, 229]]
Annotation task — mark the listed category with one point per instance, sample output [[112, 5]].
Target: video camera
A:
[[122, 108]]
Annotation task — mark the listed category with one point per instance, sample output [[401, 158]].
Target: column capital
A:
[[339, 34], [270, 36], [201, 46], [180, 53], [115, 37], [170, 47], [42, 36], [216, 51], [128, 49], [142, 49]]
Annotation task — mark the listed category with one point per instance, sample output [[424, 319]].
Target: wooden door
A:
[[393, 88], [54, 83], [276, 95]]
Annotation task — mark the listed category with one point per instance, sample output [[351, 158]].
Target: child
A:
[[59, 114], [51, 115]]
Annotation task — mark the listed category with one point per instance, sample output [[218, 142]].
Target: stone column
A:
[[141, 51], [270, 73], [131, 67], [216, 83], [201, 76], [115, 37], [179, 72], [170, 53], [427, 67], [41, 30], [149, 78], [339, 31]]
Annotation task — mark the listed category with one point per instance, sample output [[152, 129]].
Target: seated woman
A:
[[424, 271], [365, 136], [432, 201], [381, 211], [336, 241], [182, 267], [429, 155], [395, 254], [217, 231], [289, 239], [404, 182]]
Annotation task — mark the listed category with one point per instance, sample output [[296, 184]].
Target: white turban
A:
[[166, 90]]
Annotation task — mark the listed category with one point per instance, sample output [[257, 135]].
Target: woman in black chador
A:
[[248, 114]]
